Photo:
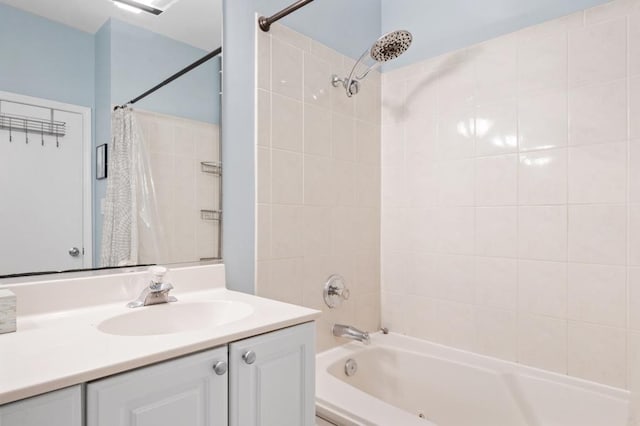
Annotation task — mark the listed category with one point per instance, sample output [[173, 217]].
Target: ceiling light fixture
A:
[[127, 7], [155, 7]]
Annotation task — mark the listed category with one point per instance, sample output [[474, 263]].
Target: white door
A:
[[59, 408], [189, 391], [42, 191], [272, 379]]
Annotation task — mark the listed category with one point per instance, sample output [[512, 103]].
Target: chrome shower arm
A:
[[352, 77], [366, 73]]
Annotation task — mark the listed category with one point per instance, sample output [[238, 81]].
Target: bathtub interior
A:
[[456, 388], [436, 388]]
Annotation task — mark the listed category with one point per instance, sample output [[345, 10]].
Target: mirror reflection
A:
[[84, 185]]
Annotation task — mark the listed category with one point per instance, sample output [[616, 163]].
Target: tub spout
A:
[[349, 332]]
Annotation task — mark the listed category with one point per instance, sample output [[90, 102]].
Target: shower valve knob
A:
[[343, 293], [335, 291]]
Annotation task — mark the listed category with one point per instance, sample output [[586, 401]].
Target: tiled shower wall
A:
[[177, 147], [318, 181], [511, 196]]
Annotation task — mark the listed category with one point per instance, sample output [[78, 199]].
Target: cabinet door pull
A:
[[220, 368], [249, 357]]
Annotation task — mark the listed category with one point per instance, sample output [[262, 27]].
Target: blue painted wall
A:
[[443, 26], [102, 126], [238, 150], [140, 59], [42, 58]]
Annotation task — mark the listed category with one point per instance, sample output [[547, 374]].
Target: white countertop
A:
[[55, 349]]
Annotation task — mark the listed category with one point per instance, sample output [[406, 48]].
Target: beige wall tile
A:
[[598, 113], [597, 53], [496, 231], [542, 177], [542, 61], [597, 234], [496, 282], [286, 69], [500, 135], [323, 216], [286, 177], [543, 119], [286, 123], [598, 173], [497, 180], [542, 232], [286, 231], [598, 294], [542, 288], [317, 81], [542, 342], [317, 130], [496, 330], [597, 353], [634, 42]]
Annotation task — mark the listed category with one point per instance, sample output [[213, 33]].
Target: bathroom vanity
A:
[[240, 359]]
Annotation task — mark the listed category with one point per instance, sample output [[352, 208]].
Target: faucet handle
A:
[[157, 273], [335, 291]]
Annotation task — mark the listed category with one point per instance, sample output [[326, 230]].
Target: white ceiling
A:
[[195, 22]]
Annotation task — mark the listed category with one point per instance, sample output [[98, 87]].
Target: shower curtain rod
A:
[[265, 23], [179, 74]]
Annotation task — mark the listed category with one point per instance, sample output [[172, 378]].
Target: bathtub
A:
[[404, 381]]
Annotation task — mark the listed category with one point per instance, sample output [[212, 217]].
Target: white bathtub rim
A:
[[461, 356]]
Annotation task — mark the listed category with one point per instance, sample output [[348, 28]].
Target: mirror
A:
[[65, 65]]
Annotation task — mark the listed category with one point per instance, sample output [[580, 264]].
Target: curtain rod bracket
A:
[[265, 23]]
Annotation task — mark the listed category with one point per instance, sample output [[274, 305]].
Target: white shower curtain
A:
[[130, 212]]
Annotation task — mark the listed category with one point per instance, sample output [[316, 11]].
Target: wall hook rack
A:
[[18, 123]]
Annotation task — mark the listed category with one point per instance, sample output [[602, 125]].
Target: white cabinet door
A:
[[272, 379], [183, 392], [59, 408]]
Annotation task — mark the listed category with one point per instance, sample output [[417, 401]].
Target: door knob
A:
[[74, 252], [249, 357], [220, 368]]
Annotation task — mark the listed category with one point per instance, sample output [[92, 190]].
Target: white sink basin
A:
[[176, 317]]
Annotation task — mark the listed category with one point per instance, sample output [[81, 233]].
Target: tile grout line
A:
[[627, 199], [518, 355], [567, 204]]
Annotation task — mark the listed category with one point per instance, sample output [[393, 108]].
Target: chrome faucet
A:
[[156, 292], [349, 332]]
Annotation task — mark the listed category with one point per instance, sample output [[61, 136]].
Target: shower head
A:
[[386, 48], [391, 45]]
